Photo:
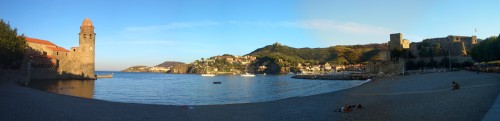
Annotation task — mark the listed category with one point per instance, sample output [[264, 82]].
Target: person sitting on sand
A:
[[455, 86], [341, 109], [359, 107], [338, 110], [346, 108]]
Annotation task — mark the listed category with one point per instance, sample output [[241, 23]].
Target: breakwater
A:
[[334, 77]]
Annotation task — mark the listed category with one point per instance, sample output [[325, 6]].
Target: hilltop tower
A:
[[86, 50]]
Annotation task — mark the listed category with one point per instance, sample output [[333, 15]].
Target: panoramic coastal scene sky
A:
[[149, 32]]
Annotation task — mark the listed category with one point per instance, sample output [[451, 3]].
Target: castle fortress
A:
[[453, 47], [49, 61], [450, 45]]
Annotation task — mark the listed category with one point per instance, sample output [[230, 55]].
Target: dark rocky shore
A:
[[413, 97], [335, 77]]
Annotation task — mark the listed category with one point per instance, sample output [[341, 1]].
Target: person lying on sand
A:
[[344, 108], [454, 86], [349, 108], [359, 107]]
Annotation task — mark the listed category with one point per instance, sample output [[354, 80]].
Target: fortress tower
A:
[[86, 50], [397, 42]]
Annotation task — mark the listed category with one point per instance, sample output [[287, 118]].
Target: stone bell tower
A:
[[86, 50]]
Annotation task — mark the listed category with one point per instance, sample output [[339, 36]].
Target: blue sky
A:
[[145, 32]]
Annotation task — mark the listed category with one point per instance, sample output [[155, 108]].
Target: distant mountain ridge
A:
[[341, 54], [282, 59], [139, 68], [167, 64], [277, 59], [164, 67]]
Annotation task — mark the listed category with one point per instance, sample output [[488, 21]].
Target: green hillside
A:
[[352, 54]]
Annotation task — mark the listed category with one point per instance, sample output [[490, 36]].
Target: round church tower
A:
[[87, 49]]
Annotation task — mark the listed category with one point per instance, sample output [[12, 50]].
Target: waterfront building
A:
[[49, 61]]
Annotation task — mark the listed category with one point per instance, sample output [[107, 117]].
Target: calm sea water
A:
[[191, 89]]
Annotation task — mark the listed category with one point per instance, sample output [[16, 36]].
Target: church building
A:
[[49, 61]]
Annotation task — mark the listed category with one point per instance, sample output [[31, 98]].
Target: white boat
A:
[[207, 74], [248, 75]]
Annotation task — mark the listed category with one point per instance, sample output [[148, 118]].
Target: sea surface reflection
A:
[[191, 89], [78, 88]]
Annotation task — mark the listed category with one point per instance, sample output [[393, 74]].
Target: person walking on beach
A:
[[455, 86]]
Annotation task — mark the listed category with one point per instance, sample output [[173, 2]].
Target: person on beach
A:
[[341, 109], [359, 107], [346, 108], [455, 86]]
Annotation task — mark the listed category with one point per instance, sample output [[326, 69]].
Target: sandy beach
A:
[[413, 97]]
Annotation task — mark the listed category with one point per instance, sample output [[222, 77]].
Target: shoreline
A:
[[469, 103]]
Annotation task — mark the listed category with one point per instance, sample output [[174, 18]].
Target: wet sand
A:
[[413, 97]]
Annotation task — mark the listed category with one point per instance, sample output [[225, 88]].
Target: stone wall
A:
[[386, 67], [457, 45]]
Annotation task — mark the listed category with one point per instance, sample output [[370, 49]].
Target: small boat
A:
[[217, 82], [207, 74], [248, 75]]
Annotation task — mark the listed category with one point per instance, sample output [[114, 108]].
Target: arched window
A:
[[84, 36]]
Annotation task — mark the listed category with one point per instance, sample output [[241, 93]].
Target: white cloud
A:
[[344, 27], [173, 25], [263, 24], [322, 25], [139, 42]]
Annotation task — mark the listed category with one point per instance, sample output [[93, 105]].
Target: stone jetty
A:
[[351, 76]]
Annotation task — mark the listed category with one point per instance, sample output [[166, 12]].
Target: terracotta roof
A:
[[56, 48], [51, 46], [39, 41]]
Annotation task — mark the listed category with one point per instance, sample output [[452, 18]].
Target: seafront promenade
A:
[[412, 97]]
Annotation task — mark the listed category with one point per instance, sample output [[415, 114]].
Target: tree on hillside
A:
[[433, 63], [436, 49], [396, 54], [228, 55], [352, 56], [445, 62], [420, 64], [424, 49], [410, 65], [467, 63], [12, 46], [487, 50]]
